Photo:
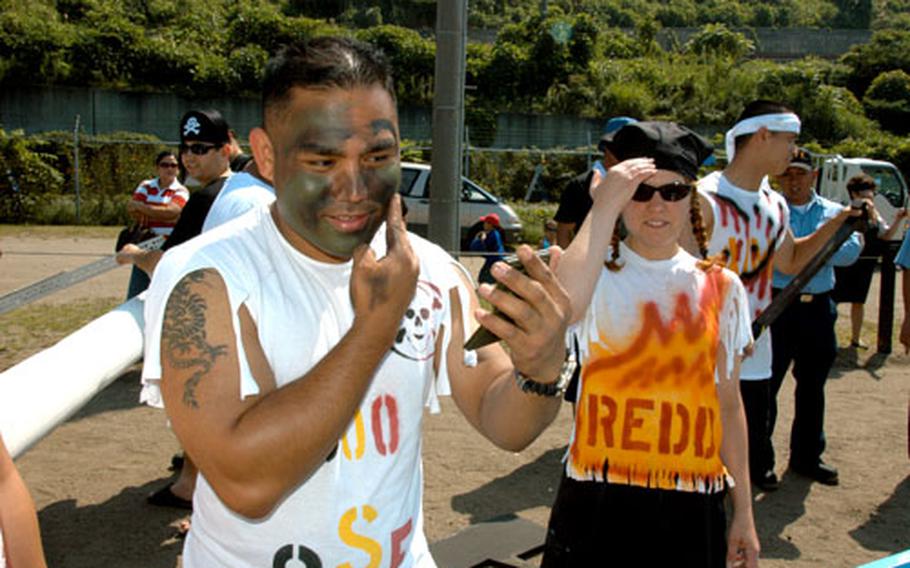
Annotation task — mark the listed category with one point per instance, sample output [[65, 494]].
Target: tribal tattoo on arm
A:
[[183, 334]]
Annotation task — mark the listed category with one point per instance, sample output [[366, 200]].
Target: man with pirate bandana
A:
[[295, 348], [748, 224]]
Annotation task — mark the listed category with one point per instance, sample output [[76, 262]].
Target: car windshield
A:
[[889, 185], [408, 176], [469, 192]]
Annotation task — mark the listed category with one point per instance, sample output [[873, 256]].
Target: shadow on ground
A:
[[121, 394], [850, 359], [877, 532], [531, 485], [152, 542], [775, 511]]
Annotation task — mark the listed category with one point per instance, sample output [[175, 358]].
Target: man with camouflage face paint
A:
[[274, 339]]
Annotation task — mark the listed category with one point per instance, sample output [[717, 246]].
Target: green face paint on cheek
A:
[[307, 199], [338, 203], [385, 181]]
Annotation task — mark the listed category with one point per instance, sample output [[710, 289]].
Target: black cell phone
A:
[[484, 336]]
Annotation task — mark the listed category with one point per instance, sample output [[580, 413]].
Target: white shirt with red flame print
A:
[[648, 412], [749, 228]]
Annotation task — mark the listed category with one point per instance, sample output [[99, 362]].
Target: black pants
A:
[[756, 403], [804, 336], [595, 524]]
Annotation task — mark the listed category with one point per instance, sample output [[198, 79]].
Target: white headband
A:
[[784, 122]]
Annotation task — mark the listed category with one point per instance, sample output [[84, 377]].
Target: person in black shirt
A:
[[239, 159], [576, 197], [574, 205], [205, 153]]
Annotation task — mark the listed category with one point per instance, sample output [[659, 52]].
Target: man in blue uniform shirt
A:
[[804, 333], [903, 263]]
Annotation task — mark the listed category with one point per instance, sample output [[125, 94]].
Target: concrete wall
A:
[[790, 43], [40, 109], [772, 43]]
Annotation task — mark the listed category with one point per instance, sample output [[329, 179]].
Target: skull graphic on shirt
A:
[[416, 338]]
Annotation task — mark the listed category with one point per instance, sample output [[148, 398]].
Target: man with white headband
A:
[[748, 224]]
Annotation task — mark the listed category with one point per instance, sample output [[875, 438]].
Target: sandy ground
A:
[[90, 476]]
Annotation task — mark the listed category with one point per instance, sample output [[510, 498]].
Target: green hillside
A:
[[574, 60]]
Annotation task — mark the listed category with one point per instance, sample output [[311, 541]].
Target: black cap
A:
[[802, 158], [204, 126], [673, 147]]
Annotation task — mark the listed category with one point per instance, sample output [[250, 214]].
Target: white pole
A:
[[42, 392]]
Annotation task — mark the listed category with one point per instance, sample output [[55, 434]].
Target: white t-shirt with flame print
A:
[[653, 343], [749, 228]]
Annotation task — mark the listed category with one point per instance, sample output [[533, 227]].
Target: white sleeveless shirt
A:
[[363, 507], [749, 228]]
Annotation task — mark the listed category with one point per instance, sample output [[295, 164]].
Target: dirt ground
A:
[[89, 478]]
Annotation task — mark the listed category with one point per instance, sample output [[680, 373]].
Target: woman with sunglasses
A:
[[659, 435], [156, 204]]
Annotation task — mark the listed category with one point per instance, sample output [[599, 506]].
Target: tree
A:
[[716, 40], [886, 51], [854, 14], [888, 101], [412, 57]]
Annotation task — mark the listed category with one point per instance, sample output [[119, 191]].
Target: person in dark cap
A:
[[747, 223], [803, 335], [205, 149], [489, 241], [659, 423], [575, 201], [205, 153]]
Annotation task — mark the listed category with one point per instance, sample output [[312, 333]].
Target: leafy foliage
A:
[[886, 51], [716, 40], [574, 60], [24, 169], [888, 101]]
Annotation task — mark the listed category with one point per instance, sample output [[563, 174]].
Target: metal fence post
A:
[[76, 171], [886, 298], [467, 152], [589, 153]]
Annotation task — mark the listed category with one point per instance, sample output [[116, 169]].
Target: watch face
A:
[[568, 369]]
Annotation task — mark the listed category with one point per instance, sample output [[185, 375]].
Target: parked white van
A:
[[836, 171], [475, 203]]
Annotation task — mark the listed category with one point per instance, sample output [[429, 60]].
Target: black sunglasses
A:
[[199, 149], [167, 164], [668, 192]]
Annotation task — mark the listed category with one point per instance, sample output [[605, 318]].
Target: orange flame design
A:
[[649, 415]]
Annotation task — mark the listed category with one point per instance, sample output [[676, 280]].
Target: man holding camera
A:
[[804, 333]]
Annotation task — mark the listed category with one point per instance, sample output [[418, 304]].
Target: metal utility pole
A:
[[448, 123]]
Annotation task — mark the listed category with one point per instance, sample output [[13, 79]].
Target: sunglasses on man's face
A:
[[167, 165], [199, 149], [668, 192]]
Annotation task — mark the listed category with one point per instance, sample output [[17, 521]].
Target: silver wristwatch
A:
[[554, 389]]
